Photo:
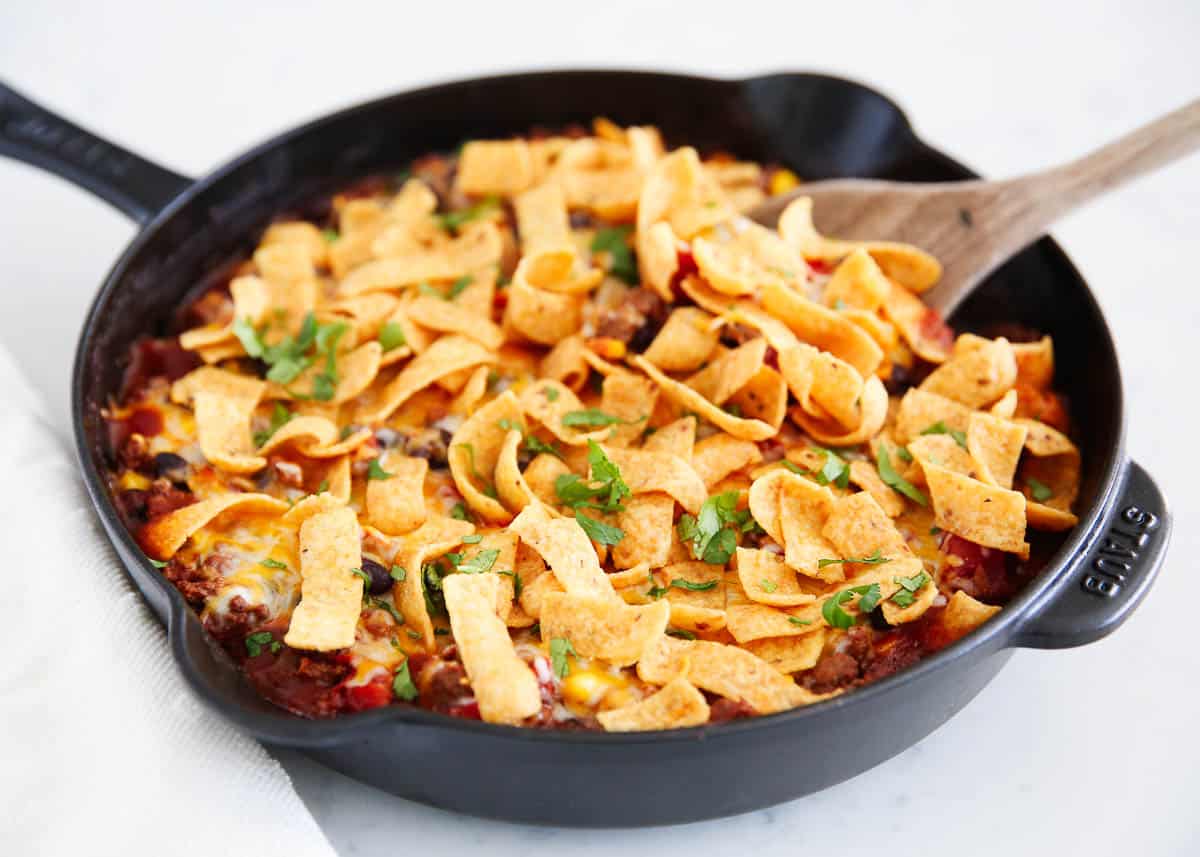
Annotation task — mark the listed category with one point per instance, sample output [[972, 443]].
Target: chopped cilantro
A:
[[713, 533], [895, 481], [472, 539], [615, 242], [481, 562], [832, 610], [375, 470], [323, 487], [280, 416], [1040, 490], [560, 647], [459, 512], [517, 584], [606, 485], [692, 586], [330, 235], [835, 470], [904, 455], [398, 573], [457, 287], [157, 563], [391, 336], [381, 604], [767, 585], [680, 633], [960, 437], [796, 620], [532, 444], [272, 563], [908, 587], [874, 559], [594, 417], [551, 393], [402, 684], [259, 640], [452, 221], [598, 531]]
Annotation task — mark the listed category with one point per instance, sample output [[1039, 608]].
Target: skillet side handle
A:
[[135, 186], [1110, 578]]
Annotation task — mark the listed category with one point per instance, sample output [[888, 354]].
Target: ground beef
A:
[[721, 710], [835, 670], [441, 679], [891, 654], [135, 453], [322, 670], [195, 581], [165, 497], [635, 321]]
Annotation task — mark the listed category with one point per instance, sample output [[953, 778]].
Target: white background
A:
[[1090, 751]]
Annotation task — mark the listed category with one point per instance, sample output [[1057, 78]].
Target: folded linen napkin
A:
[[103, 750]]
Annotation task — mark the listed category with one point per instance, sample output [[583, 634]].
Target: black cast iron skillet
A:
[[820, 127]]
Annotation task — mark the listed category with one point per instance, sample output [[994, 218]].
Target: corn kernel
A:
[[133, 481], [783, 180], [588, 687], [607, 347]]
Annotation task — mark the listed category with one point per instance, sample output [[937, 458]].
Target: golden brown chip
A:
[[630, 398], [804, 507], [866, 477], [872, 407], [603, 627], [995, 445], [565, 548], [432, 539], [164, 535], [396, 505], [944, 451], [650, 472], [549, 402], [494, 167], [729, 372], [724, 670], [984, 514], [542, 316], [920, 410], [1035, 362], [824, 328], [542, 220], [676, 705], [566, 363], [676, 438], [696, 593], [767, 579], [648, 524], [689, 399], [976, 377], [717, 456], [223, 429], [330, 591], [963, 614], [446, 316], [762, 398], [858, 527], [504, 685], [789, 654], [446, 356], [911, 317], [857, 282], [685, 341], [475, 450]]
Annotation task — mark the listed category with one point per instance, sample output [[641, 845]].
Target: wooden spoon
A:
[[973, 227]]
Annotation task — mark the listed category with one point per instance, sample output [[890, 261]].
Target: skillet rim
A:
[[281, 728]]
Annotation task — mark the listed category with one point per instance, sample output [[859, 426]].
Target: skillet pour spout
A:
[[818, 126]]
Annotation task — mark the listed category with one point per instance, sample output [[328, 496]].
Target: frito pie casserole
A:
[[546, 432]]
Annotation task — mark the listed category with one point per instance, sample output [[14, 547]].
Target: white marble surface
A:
[[1088, 751]]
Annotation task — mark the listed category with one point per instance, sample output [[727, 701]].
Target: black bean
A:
[[381, 578], [172, 466]]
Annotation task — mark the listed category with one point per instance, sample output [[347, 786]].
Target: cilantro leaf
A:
[[517, 583], [375, 470], [591, 417], [832, 610], [874, 559], [767, 585], [560, 647], [391, 336], [457, 287], [481, 562], [713, 533], [895, 481], [452, 221], [960, 437], [459, 512], [680, 633], [1040, 490], [551, 393], [796, 620], [402, 684], [598, 531], [157, 563], [272, 563], [398, 573], [691, 586], [330, 235], [244, 330], [606, 485], [472, 539], [835, 470], [256, 642], [280, 416], [905, 596], [615, 242]]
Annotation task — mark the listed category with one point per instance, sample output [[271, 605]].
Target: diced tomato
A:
[[819, 266], [934, 329], [465, 710], [374, 694], [979, 571], [687, 262]]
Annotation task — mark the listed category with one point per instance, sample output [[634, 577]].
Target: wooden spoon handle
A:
[[998, 219]]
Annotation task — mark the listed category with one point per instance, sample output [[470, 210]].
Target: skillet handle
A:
[[1111, 575], [135, 186]]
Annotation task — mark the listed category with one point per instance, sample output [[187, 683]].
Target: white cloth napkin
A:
[[103, 750]]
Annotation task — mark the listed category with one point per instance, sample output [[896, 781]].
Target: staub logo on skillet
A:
[[1118, 553]]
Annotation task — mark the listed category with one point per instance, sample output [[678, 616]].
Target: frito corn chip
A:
[[724, 670], [396, 505], [685, 342], [541, 475], [762, 398], [695, 609], [995, 445], [514, 491], [689, 399], [542, 316], [251, 300], [603, 627], [963, 614], [920, 410], [804, 507], [448, 317], [752, 258], [984, 514], [285, 264], [330, 591], [474, 451], [1041, 440], [164, 535], [824, 328], [676, 705], [658, 257], [677, 190], [1047, 518], [301, 233], [1006, 405], [767, 579], [556, 271], [504, 685], [856, 283], [333, 474], [729, 372], [943, 451], [873, 406], [314, 437], [910, 267], [977, 377], [311, 505], [549, 403], [866, 477], [717, 456], [648, 472], [213, 380], [565, 548], [432, 539], [478, 246], [542, 220], [913, 319], [223, 429], [565, 363], [858, 527], [630, 398], [824, 385], [923, 599], [1035, 362], [494, 166], [812, 616], [789, 654], [648, 523], [448, 355], [677, 438]]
